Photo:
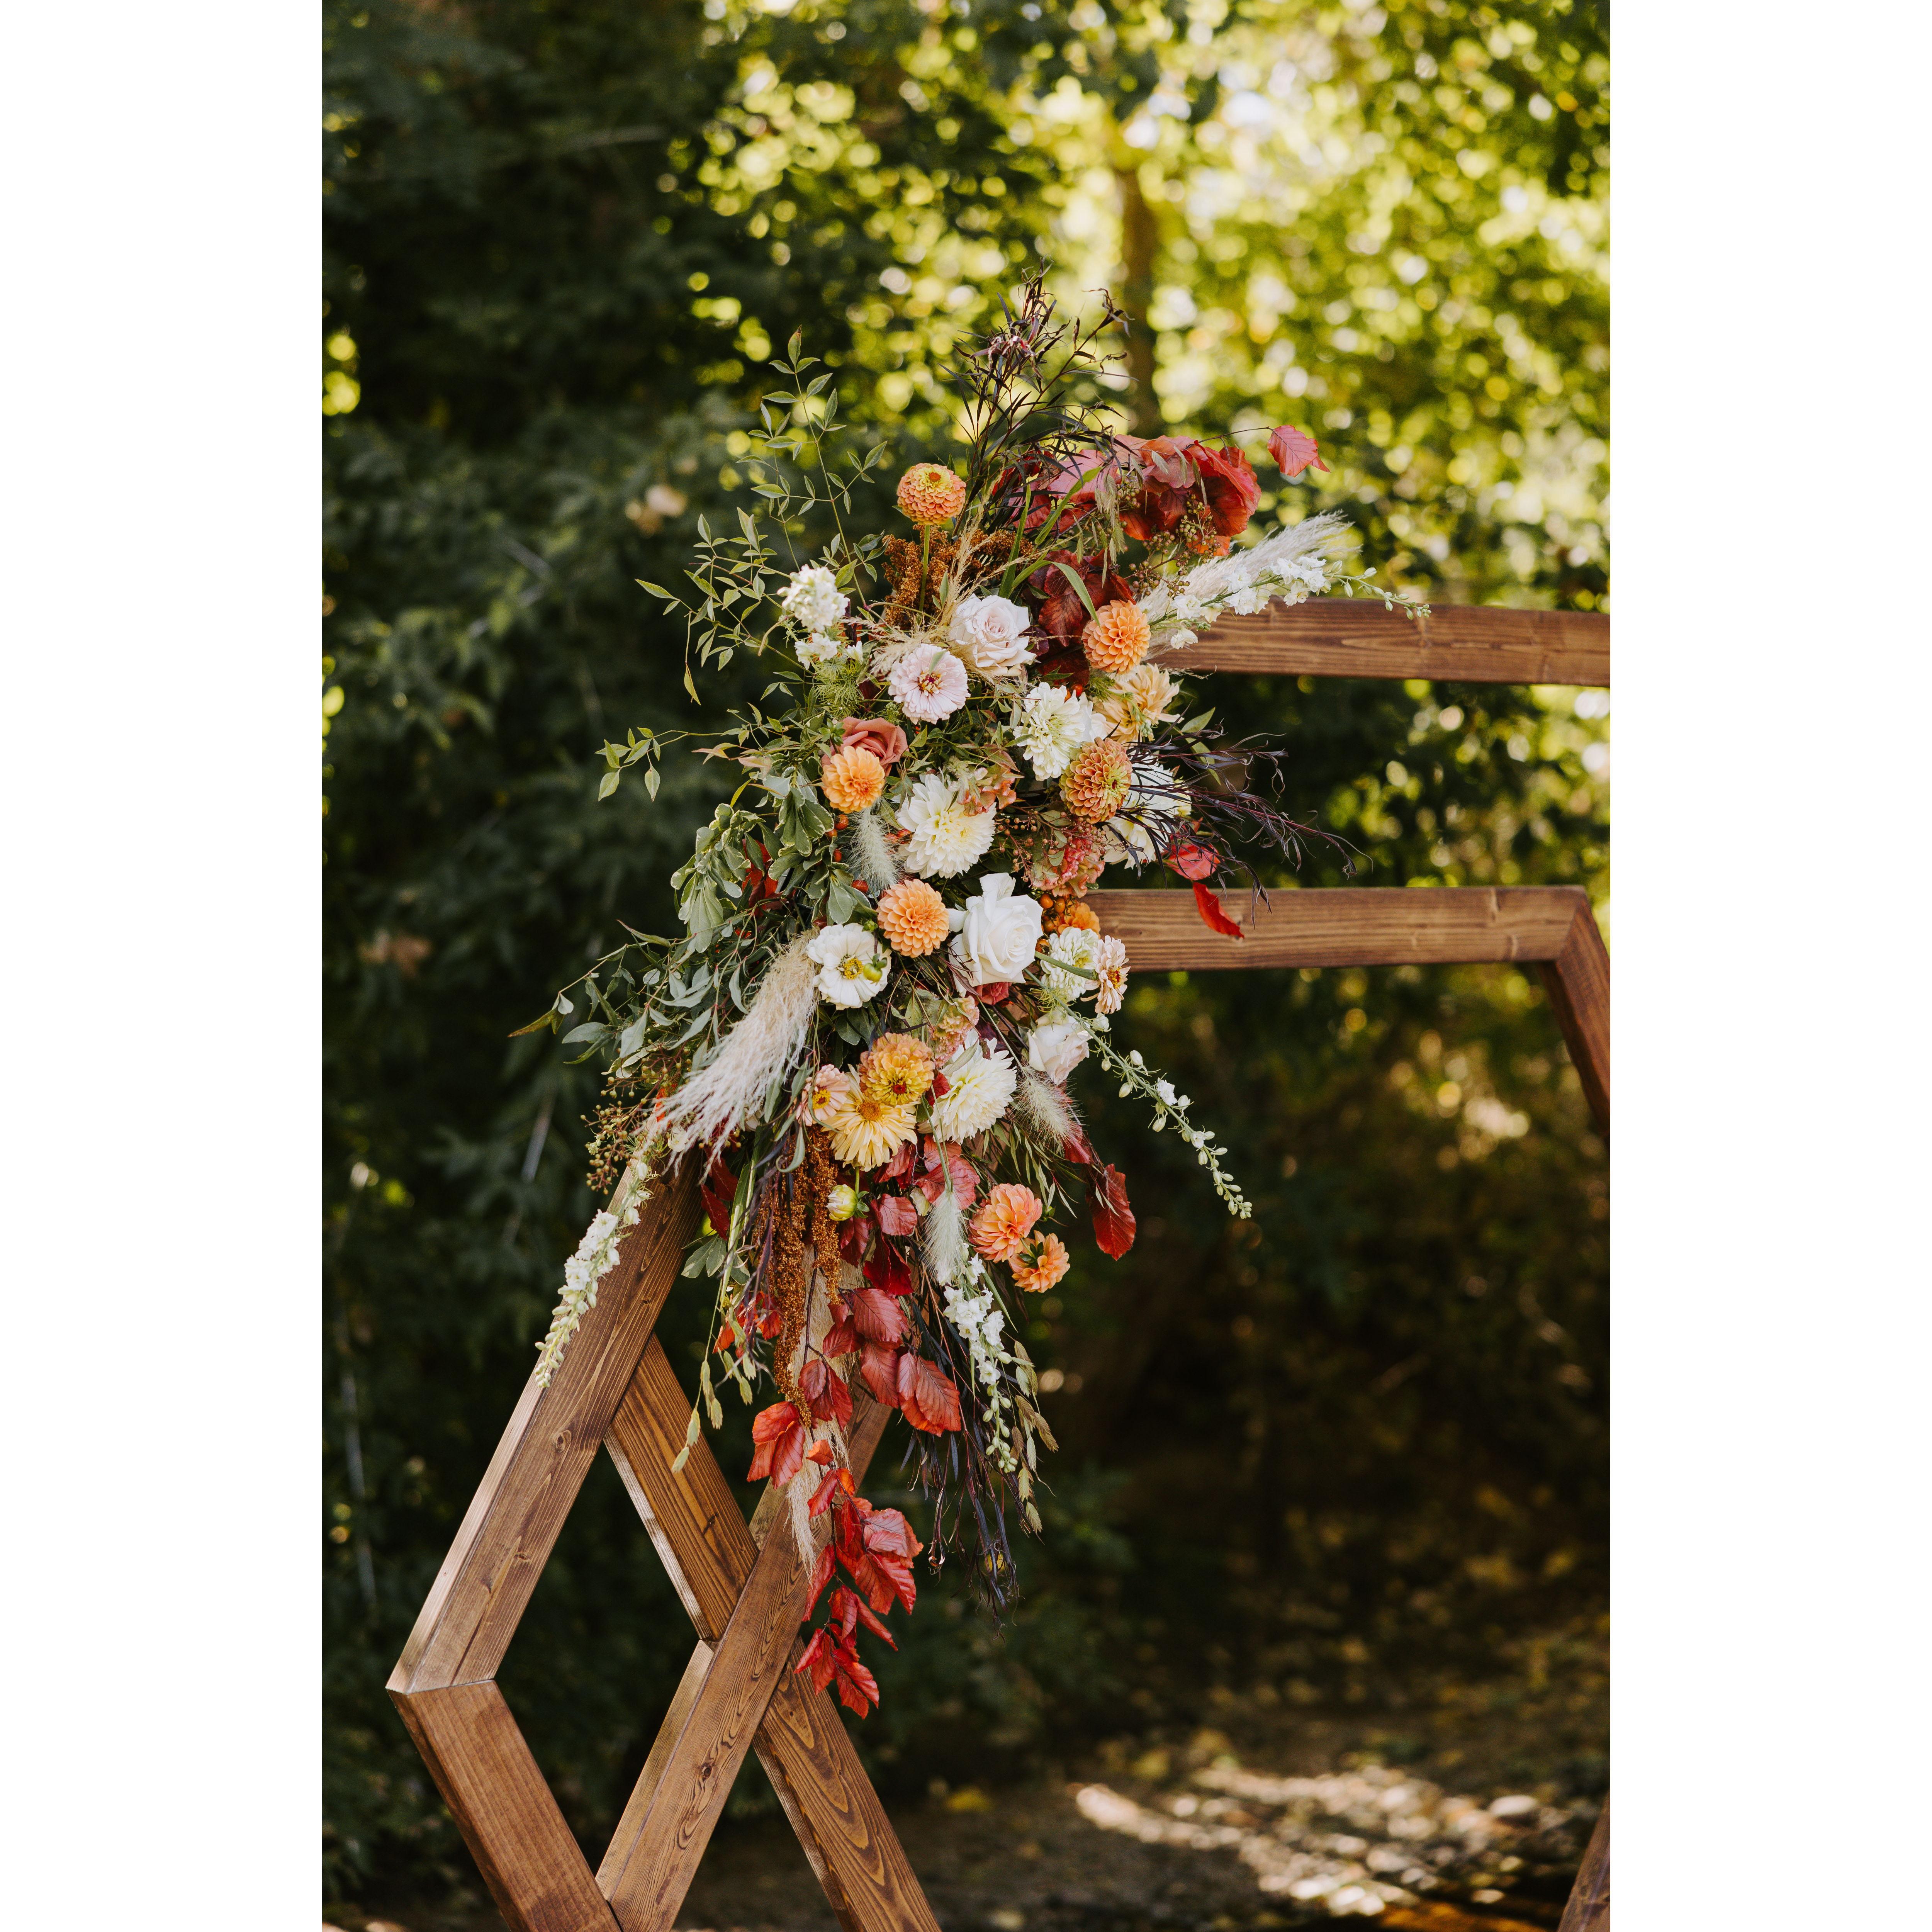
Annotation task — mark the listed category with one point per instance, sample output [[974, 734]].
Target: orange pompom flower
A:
[[896, 1067], [851, 779], [913, 917], [1000, 1229], [930, 493], [1046, 1266], [1096, 784], [1116, 638]]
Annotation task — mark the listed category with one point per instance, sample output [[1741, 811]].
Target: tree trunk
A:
[[1139, 238]]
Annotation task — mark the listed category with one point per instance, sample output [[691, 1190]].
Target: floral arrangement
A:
[[889, 970]]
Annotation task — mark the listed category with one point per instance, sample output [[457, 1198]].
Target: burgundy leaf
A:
[[1113, 1218]]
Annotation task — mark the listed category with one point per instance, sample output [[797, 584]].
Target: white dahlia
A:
[[979, 1083], [1051, 725], [946, 838]]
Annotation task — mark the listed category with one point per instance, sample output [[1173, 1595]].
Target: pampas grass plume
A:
[[1047, 1106], [943, 1237], [764, 1044], [872, 853]]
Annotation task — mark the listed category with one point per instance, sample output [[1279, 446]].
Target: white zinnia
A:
[[989, 634], [979, 1083], [812, 599], [1051, 725], [852, 965], [929, 684], [1071, 946], [945, 837], [1057, 1047]]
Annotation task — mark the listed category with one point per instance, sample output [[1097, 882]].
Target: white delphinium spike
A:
[[943, 1238], [768, 1041], [872, 852], [1047, 1107]]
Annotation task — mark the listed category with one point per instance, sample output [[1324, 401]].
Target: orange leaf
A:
[[1209, 908], [780, 1437]]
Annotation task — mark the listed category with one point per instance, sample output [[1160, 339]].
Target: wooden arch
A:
[[745, 1590]]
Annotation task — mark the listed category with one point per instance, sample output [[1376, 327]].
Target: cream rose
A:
[[989, 633], [998, 932], [1058, 1048]]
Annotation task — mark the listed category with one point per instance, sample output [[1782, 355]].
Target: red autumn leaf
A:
[[928, 1398], [842, 1337], [1212, 917], [1295, 450], [965, 1177], [835, 1480], [941, 1086], [849, 1610], [1193, 860], [901, 1164], [885, 1532], [719, 1189], [1232, 488], [780, 1438], [818, 1660], [858, 1688], [887, 1269], [825, 1390], [879, 1316], [821, 1575], [852, 1238], [880, 1368], [1113, 1218], [897, 1215], [820, 1453]]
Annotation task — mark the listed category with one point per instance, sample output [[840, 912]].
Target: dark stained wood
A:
[[506, 1537], [1578, 982], [504, 1809], [1346, 925], [1589, 1907], [1341, 637], [639, 1802]]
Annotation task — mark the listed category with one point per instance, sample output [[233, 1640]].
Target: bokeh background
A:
[[1334, 1481]]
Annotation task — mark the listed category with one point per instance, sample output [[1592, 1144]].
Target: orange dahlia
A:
[[999, 1230], [913, 917], [930, 493], [1117, 639], [1045, 1268], [1061, 913], [1096, 784], [851, 779], [896, 1067]]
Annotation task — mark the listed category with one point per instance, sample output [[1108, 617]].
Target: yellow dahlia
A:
[[1117, 639], [1096, 784], [913, 917], [929, 493], [851, 779], [897, 1068], [999, 1230], [865, 1133], [1045, 1268]]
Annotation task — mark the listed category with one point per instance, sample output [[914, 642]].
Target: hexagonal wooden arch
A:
[[745, 1590]]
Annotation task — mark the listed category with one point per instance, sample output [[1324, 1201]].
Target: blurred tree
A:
[[558, 244]]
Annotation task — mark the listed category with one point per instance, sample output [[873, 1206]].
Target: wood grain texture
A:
[[1579, 982], [813, 1768], [1341, 637], [691, 1515], [506, 1537], [1346, 925], [504, 1809], [1589, 1909]]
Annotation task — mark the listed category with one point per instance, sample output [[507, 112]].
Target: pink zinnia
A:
[[929, 684]]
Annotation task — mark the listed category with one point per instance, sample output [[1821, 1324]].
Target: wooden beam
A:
[[512, 1522], [1342, 637], [1589, 1909], [1579, 982], [1346, 925], [711, 1554], [504, 1809]]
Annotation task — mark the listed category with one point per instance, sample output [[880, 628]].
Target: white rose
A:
[[852, 966], [1056, 1050], [999, 933], [989, 633]]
